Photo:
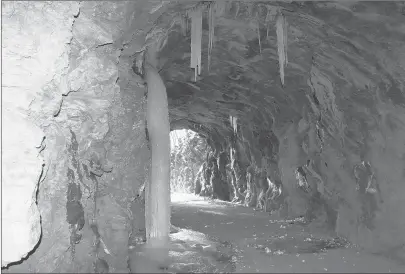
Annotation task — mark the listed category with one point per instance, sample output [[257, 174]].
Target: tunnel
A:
[[301, 105]]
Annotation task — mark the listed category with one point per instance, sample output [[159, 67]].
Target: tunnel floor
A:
[[252, 241]]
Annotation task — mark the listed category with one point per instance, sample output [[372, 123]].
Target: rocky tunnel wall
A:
[[316, 135], [75, 151], [331, 136]]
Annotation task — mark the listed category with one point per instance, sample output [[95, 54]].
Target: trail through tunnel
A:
[[291, 156]]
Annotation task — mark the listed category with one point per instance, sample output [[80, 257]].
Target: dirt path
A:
[[267, 244]]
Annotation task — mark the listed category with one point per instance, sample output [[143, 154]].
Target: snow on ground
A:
[[253, 241]]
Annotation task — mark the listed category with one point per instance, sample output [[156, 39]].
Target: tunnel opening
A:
[[188, 154], [294, 106]]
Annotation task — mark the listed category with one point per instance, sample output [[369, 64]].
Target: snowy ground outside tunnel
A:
[[260, 243]]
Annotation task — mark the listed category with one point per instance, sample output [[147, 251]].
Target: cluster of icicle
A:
[[196, 35], [214, 9], [217, 9], [234, 123], [281, 29]]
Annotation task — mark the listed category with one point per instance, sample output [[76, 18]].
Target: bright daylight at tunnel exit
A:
[[203, 136]]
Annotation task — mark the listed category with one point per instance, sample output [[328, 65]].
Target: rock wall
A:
[[81, 94], [239, 172], [353, 174], [212, 179], [325, 158], [220, 186], [206, 176], [35, 60]]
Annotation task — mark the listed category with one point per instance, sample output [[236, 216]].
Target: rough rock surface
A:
[[35, 58], [89, 105], [342, 103], [332, 137]]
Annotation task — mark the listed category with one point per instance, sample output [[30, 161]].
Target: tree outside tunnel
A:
[[188, 154]]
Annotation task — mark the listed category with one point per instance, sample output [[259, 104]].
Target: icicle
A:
[[234, 124], [267, 25], [267, 21], [211, 30], [258, 35], [196, 34], [281, 30], [285, 40]]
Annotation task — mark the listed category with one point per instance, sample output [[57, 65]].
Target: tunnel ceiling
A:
[[342, 58]]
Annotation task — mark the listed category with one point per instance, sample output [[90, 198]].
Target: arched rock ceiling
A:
[[342, 58]]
